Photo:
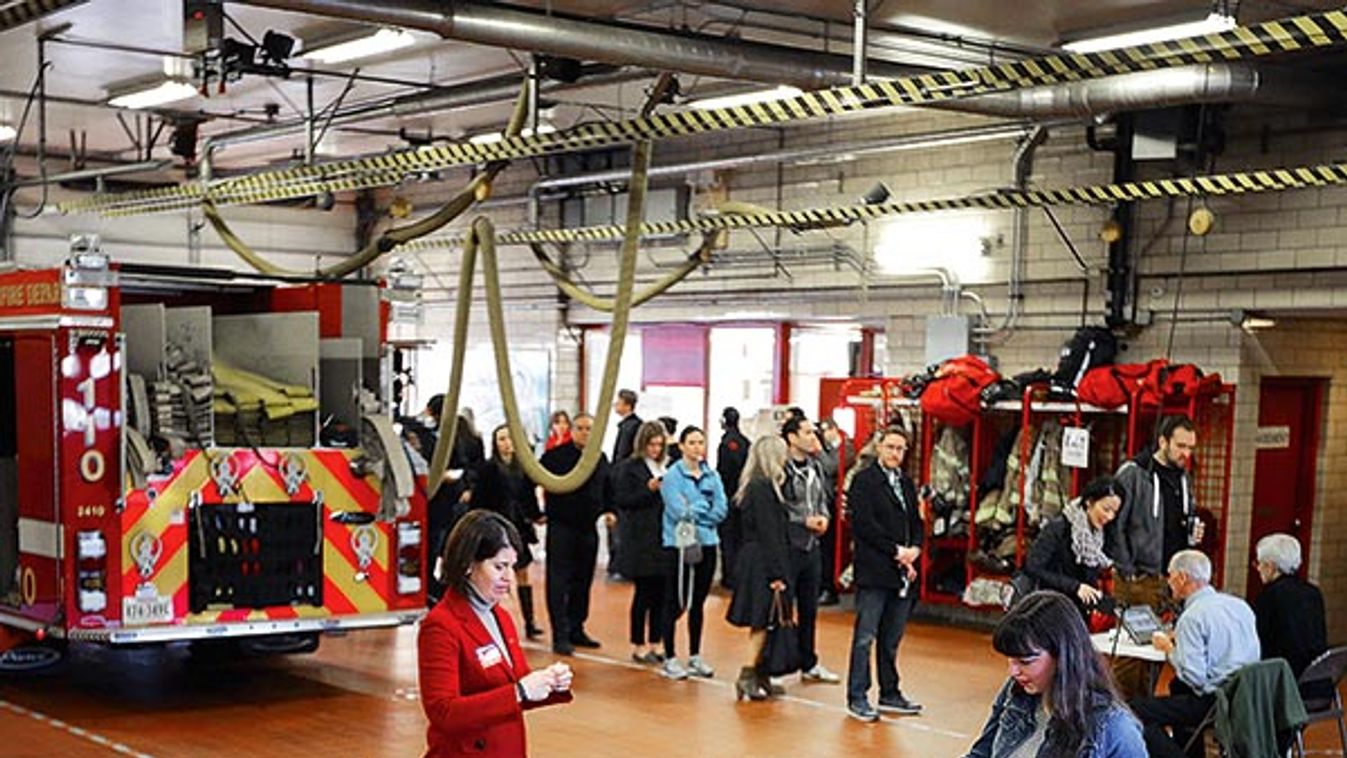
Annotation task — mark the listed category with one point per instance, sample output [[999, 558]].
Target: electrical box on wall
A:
[[947, 337]]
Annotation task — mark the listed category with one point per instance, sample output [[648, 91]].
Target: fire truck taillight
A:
[[87, 276], [409, 558], [92, 552]]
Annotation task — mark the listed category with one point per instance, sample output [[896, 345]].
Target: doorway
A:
[[1290, 419]]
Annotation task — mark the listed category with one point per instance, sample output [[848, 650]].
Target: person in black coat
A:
[[763, 562], [636, 482], [625, 407], [1068, 555], [503, 487], [887, 527], [573, 539], [1289, 610], [731, 456]]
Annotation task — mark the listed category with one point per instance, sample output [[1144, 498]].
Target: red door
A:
[[1287, 442]]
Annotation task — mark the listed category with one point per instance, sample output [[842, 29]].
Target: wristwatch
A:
[[521, 692]]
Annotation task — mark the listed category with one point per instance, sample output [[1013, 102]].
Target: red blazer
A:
[[467, 690]]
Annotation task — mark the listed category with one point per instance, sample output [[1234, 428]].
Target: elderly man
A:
[[1216, 636]]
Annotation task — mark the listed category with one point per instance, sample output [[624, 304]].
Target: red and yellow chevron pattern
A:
[[162, 510]]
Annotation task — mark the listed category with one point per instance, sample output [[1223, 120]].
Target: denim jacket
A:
[[1116, 732], [702, 499]]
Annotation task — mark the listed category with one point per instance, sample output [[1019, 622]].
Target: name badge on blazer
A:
[[488, 656]]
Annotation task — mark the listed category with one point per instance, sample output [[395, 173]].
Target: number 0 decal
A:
[[28, 584], [92, 466]]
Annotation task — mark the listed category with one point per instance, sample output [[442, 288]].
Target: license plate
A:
[[138, 611]]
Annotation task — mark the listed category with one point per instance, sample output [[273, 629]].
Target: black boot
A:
[[531, 629]]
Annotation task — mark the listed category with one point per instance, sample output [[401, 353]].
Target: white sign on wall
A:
[[1076, 447], [1272, 438]]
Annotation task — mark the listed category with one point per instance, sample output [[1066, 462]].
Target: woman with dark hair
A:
[[694, 505], [559, 430], [636, 483], [764, 558], [475, 681], [504, 488], [1060, 701], [1068, 555]]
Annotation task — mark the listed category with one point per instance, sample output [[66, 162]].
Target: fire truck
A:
[[192, 455]]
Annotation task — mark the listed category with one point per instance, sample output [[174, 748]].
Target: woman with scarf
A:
[[1068, 555], [503, 487]]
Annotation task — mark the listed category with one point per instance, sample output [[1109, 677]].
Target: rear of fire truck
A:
[[188, 455]]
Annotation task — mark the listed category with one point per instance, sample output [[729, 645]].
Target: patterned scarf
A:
[[1087, 543]]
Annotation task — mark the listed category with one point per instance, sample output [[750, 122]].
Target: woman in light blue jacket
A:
[[694, 505]]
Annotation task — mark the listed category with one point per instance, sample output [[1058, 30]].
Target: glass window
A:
[[742, 368], [815, 353]]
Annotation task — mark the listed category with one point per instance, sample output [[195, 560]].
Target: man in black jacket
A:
[[625, 407], [730, 459], [887, 527], [572, 540]]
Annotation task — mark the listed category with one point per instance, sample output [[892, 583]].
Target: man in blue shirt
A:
[[1216, 635]]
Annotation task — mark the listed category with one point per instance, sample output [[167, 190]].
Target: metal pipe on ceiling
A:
[[484, 91], [608, 41], [941, 138], [625, 44], [93, 173]]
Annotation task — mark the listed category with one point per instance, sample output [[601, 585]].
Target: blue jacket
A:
[[703, 498], [1116, 733]]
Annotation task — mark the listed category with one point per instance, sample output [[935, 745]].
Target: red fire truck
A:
[[116, 529]]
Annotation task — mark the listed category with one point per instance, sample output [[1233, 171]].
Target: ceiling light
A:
[[490, 137], [151, 94], [1249, 321], [747, 98], [7, 133], [365, 46], [1214, 22]]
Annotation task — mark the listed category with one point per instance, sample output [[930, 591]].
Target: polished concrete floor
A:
[[357, 696]]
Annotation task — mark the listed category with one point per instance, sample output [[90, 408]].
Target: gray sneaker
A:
[[862, 711], [672, 669], [820, 674], [698, 667]]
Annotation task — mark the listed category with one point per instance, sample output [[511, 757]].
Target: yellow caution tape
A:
[[1320, 30], [1216, 185]]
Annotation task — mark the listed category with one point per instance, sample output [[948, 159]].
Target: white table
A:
[[1155, 659]]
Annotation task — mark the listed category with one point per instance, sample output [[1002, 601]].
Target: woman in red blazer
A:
[[475, 681]]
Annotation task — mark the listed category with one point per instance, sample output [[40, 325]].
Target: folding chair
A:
[[1329, 667], [1273, 676]]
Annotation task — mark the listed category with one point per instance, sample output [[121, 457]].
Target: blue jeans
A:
[[880, 615]]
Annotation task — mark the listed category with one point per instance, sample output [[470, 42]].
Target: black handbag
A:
[[781, 652]]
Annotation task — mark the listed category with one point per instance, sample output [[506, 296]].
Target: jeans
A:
[[699, 576], [571, 554], [647, 609], [805, 570], [880, 615]]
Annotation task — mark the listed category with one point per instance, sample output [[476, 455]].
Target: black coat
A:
[[626, 437], [640, 520], [581, 508], [763, 558], [730, 459], [1290, 614], [509, 492], [1052, 563], [880, 524]]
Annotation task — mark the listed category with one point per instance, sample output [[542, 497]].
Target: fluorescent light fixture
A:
[[7, 133], [375, 43], [151, 94], [492, 137], [747, 98], [917, 244], [1257, 322], [1214, 22]]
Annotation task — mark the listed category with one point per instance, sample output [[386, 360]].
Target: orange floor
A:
[[357, 697]]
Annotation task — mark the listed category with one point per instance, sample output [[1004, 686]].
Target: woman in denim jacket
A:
[[1060, 699], [692, 494]]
